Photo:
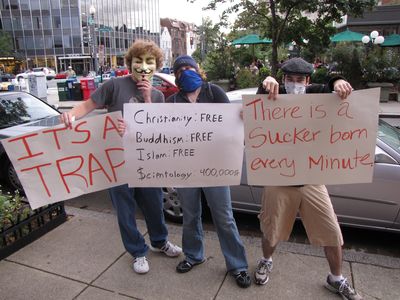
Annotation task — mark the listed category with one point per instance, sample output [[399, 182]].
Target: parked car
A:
[[21, 112], [49, 73], [6, 77], [61, 75], [374, 205], [121, 71], [165, 83]]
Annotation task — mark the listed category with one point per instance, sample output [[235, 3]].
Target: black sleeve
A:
[[261, 90], [170, 99], [323, 88], [219, 94]]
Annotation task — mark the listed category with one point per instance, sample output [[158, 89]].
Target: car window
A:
[[389, 134], [22, 108], [157, 81]]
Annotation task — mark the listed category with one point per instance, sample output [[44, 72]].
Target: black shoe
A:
[[185, 266], [243, 279]]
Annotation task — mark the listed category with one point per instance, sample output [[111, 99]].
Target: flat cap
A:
[[297, 65]]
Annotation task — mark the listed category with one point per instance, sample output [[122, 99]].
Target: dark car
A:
[[21, 112], [6, 77], [374, 205]]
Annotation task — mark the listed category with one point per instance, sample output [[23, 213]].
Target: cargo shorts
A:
[[280, 205]]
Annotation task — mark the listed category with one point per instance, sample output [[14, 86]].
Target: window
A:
[[57, 22], [26, 23], [58, 42], [66, 41]]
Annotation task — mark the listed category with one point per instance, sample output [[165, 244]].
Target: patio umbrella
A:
[[392, 41], [251, 39], [347, 36]]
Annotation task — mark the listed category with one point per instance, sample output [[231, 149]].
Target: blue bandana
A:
[[189, 81]]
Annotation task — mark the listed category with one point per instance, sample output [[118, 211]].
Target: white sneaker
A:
[[140, 265], [168, 249]]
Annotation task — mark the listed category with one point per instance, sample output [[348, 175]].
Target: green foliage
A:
[[321, 75], [11, 209], [6, 45], [284, 21], [347, 58], [217, 66], [381, 65], [245, 79]]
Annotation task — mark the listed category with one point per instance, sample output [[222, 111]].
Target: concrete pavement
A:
[[84, 259]]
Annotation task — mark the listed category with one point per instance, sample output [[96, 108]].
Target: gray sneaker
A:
[[343, 288], [261, 275]]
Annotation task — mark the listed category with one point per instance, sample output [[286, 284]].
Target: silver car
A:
[[374, 205]]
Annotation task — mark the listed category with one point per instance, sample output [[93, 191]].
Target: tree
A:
[[6, 45], [284, 21]]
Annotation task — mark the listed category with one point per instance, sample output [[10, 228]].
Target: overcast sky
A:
[[190, 12]]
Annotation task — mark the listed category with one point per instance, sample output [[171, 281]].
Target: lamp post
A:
[[373, 39], [92, 11]]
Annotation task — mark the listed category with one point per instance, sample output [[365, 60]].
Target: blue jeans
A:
[[219, 201], [150, 201]]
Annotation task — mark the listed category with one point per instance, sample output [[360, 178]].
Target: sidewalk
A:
[[84, 259]]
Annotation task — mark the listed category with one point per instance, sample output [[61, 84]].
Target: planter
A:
[[386, 89], [31, 228]]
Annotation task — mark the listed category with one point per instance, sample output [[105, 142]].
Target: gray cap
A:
[[297, 65]]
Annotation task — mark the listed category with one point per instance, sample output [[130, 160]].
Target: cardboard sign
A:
[[183, 145], [59, 163], [311, 139]]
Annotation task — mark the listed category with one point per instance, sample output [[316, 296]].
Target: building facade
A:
[[166, 46], [183, 36], [81, 33], [385, 18]]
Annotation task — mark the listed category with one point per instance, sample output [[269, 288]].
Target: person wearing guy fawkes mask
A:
[[193, 89], [281, 204], [142, 60]]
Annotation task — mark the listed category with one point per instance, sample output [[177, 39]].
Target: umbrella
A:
[[347, 36], [251, 39], [391, 41]]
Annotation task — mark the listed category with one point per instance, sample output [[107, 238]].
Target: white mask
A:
[[295, 87]]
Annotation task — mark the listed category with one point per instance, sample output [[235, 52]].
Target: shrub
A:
[[381, 65], [321, 75], [245, 79], [12, 209]]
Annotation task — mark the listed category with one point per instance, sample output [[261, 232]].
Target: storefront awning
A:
[[73, 57]]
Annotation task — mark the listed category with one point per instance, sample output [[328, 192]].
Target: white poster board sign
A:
[[59, 163], [183, 145], [310, 139]]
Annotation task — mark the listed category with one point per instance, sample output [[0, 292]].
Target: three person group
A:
[[280, 205]]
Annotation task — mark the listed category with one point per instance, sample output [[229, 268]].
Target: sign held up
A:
[[182, 145], [310, 139], [59, 163]]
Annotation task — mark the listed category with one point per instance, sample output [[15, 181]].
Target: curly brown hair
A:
[[140, 47]]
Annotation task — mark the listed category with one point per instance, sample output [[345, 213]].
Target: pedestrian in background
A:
[[70, 73], [193, 89]]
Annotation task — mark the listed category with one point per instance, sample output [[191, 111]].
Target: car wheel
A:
[[12, 178], [172, 205]]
